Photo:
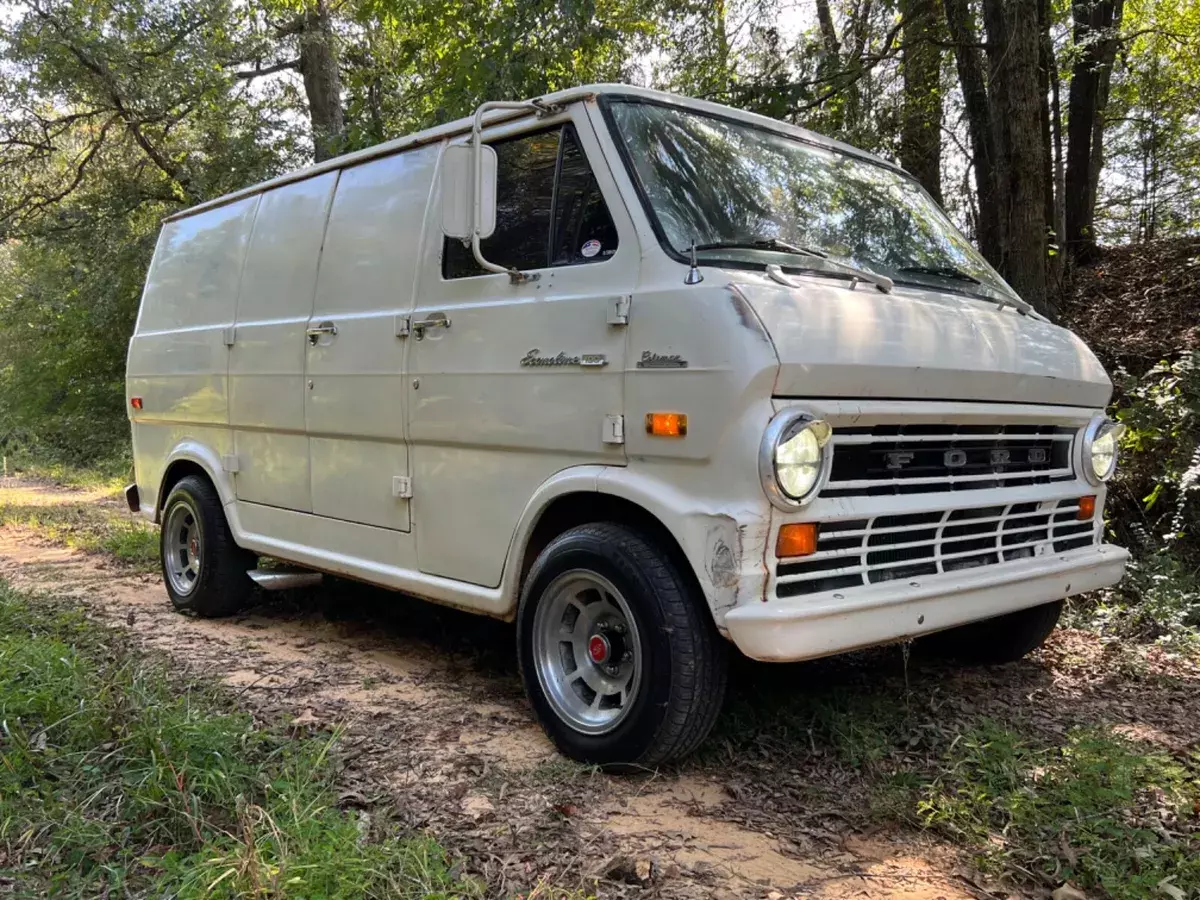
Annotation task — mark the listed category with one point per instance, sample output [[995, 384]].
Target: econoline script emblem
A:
[[534, 358]]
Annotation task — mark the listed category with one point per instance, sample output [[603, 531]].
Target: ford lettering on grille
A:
[[913, 459]]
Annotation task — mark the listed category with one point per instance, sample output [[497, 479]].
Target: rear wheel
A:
[[620, 658], [204, 570], [999, 640]]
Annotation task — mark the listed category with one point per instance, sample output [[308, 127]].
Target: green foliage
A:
[[116, 780], [1153, 135], [1161, 412], [1159, 600], [1153, 508], [1122, 817], [115, 114], [422, 63]]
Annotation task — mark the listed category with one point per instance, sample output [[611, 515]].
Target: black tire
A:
[[1002, 639], [684, 659], [221, 587]]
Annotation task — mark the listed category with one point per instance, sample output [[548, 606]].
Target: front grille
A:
[[856, 552], [918, 459]]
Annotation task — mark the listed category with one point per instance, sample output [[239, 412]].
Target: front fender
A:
[[723, 544]]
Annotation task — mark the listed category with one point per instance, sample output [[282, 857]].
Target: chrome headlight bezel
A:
[[783, 428], [1100, 427]]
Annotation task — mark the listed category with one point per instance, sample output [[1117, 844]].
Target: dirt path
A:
[[439, 735]]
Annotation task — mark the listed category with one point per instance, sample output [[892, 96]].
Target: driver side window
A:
[[549, 211]]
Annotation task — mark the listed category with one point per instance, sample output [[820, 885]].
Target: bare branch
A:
[[260, 70]]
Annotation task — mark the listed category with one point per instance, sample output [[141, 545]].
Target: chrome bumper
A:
[[808, 627]]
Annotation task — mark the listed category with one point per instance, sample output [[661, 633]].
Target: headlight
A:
[[793, 462], [1100, 449]]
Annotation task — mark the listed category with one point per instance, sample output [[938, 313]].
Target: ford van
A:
[[656, 379]]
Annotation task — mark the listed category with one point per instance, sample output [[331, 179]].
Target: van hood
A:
[[835, 341]]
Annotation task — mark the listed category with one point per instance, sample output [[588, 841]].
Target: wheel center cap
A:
[[194, 547], [598, 648]]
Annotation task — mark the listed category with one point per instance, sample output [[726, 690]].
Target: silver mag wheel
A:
[[182, 547], [586, 651]]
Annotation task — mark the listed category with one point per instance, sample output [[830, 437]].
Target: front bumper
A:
[[808, 627]]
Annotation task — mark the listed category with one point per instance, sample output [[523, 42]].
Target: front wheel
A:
[[998, 640], [620, 657], [204, 570]]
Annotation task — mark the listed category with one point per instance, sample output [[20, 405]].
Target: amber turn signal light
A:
[[1087, 508], [661, 424], [797, 539]]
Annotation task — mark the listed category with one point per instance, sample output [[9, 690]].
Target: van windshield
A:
[[747, 195]]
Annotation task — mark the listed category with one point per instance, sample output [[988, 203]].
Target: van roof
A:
[[570, 95]]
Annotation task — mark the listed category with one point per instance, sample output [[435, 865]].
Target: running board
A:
[[283, 579]]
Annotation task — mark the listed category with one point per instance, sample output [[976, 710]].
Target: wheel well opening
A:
[[176, 472], [580, 508]]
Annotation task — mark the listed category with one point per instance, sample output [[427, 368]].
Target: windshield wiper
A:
[[950, 272], [882, 282], [763, 244], [955, 274]]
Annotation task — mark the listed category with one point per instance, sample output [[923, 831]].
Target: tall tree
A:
[[1047, 77], [921, 64], [1013, 54], [299, 35], [322, 80], [968, 57], [1096, 23]]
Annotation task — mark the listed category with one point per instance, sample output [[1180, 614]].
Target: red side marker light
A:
[[135, 402]]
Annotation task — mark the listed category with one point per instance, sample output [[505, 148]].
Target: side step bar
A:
[[283, 579]]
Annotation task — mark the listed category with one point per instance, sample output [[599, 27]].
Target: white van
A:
[[649, 375]]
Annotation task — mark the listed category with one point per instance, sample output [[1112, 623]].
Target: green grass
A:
[[116, 780], [1114, 816], [84, 525], [1104, 812]]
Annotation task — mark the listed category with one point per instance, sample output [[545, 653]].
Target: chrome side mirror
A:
[[460, 212]]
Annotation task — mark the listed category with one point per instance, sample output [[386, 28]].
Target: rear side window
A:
[[549, 209]]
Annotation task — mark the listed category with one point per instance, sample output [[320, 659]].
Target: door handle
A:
[[314, 333], [435, 320]]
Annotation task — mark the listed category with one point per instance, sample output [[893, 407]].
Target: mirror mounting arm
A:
[[541, 108]]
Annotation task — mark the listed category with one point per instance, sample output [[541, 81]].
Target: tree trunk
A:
[[921, 129], [969, 63], [1045, 64], [829, 35], [1096, 161], [1060, 185], [322, 82], [1013, 42], [1096, 24]]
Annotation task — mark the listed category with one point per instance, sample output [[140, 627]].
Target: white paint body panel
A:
[[322, 430], [266, 361], [835, 341], [485, 430]]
